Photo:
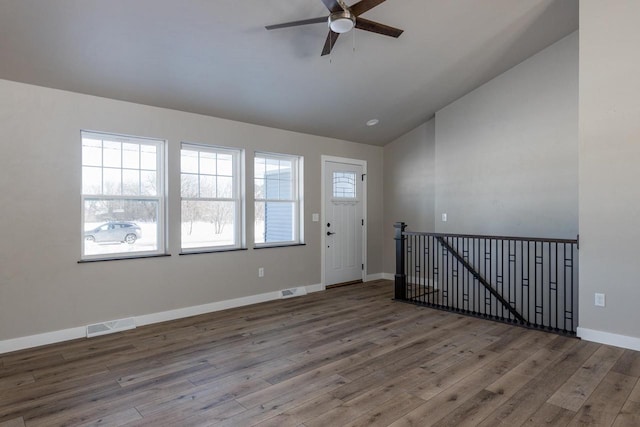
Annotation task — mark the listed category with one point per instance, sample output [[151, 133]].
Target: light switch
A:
[[315, 217], [444, 217]]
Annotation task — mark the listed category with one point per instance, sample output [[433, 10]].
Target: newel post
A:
[[400, 278]]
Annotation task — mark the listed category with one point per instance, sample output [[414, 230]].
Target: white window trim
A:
[[298, 189], [161, 145], [238, 192]]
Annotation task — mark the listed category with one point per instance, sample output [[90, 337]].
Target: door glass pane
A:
[[344, 185]]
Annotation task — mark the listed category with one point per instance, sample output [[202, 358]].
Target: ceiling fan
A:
[[343, 18]]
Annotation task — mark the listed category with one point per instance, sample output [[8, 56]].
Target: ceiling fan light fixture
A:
[[342, 22]]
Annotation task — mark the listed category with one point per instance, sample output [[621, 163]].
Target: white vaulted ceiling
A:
[[214, 57]]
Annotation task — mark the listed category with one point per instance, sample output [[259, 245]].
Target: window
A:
[[278, 192], [122, 196], [211, 198]]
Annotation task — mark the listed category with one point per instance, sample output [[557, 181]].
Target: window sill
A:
[[280, 246], [84, 261], [212, 251]]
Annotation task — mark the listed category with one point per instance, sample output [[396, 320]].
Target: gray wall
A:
[[506, 156], [409, 190], [501, 160], [43, 288], [610, 166]]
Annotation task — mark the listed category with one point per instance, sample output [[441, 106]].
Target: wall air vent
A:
[[110, 327], [293, 292]]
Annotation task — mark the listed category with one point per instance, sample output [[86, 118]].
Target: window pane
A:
[[272, 167], [148, 157], [117, 226], [207, 224], [131, 182], [112, 154], [259, 167], [258, 225], [207, 163], [189, 185], [131, 156], [91, 152], [344, 184], [112, 182], [274, 222], [225, 187], [258, 187], [148, 183], [91, 180], [272, 188], [189, 161], [285, 165], [225, 165], [286, 190], [207, 186]]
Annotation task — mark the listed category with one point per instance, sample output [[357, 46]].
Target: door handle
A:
[[329, 233]]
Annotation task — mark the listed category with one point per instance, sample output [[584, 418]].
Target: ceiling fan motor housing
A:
[[342, 21]]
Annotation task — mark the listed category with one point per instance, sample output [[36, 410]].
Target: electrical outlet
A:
[[444, 217], [261, 272], [599, 300]]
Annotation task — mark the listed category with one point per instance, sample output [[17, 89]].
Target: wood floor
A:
[[347, 356]]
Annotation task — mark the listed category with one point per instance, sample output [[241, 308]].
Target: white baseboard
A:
[[388, 276], [624, 341], [31, 341], [376, 276]]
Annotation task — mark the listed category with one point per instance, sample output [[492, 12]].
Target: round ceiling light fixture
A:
[[373, 122], [342, 22]]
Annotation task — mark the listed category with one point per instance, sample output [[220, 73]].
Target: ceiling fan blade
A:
[[332, 5], [297, 23], [375, 27], [364, 5], [330, 43]]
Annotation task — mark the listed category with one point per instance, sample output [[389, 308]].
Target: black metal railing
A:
[[531, 282]]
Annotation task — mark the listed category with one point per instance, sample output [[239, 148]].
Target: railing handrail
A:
[[487, 237]]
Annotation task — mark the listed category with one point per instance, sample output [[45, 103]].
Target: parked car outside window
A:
[[124, 232]]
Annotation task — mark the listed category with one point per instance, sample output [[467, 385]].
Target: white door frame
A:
[[324, 159]]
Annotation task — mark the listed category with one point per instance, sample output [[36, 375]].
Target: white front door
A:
[[343, 222]]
